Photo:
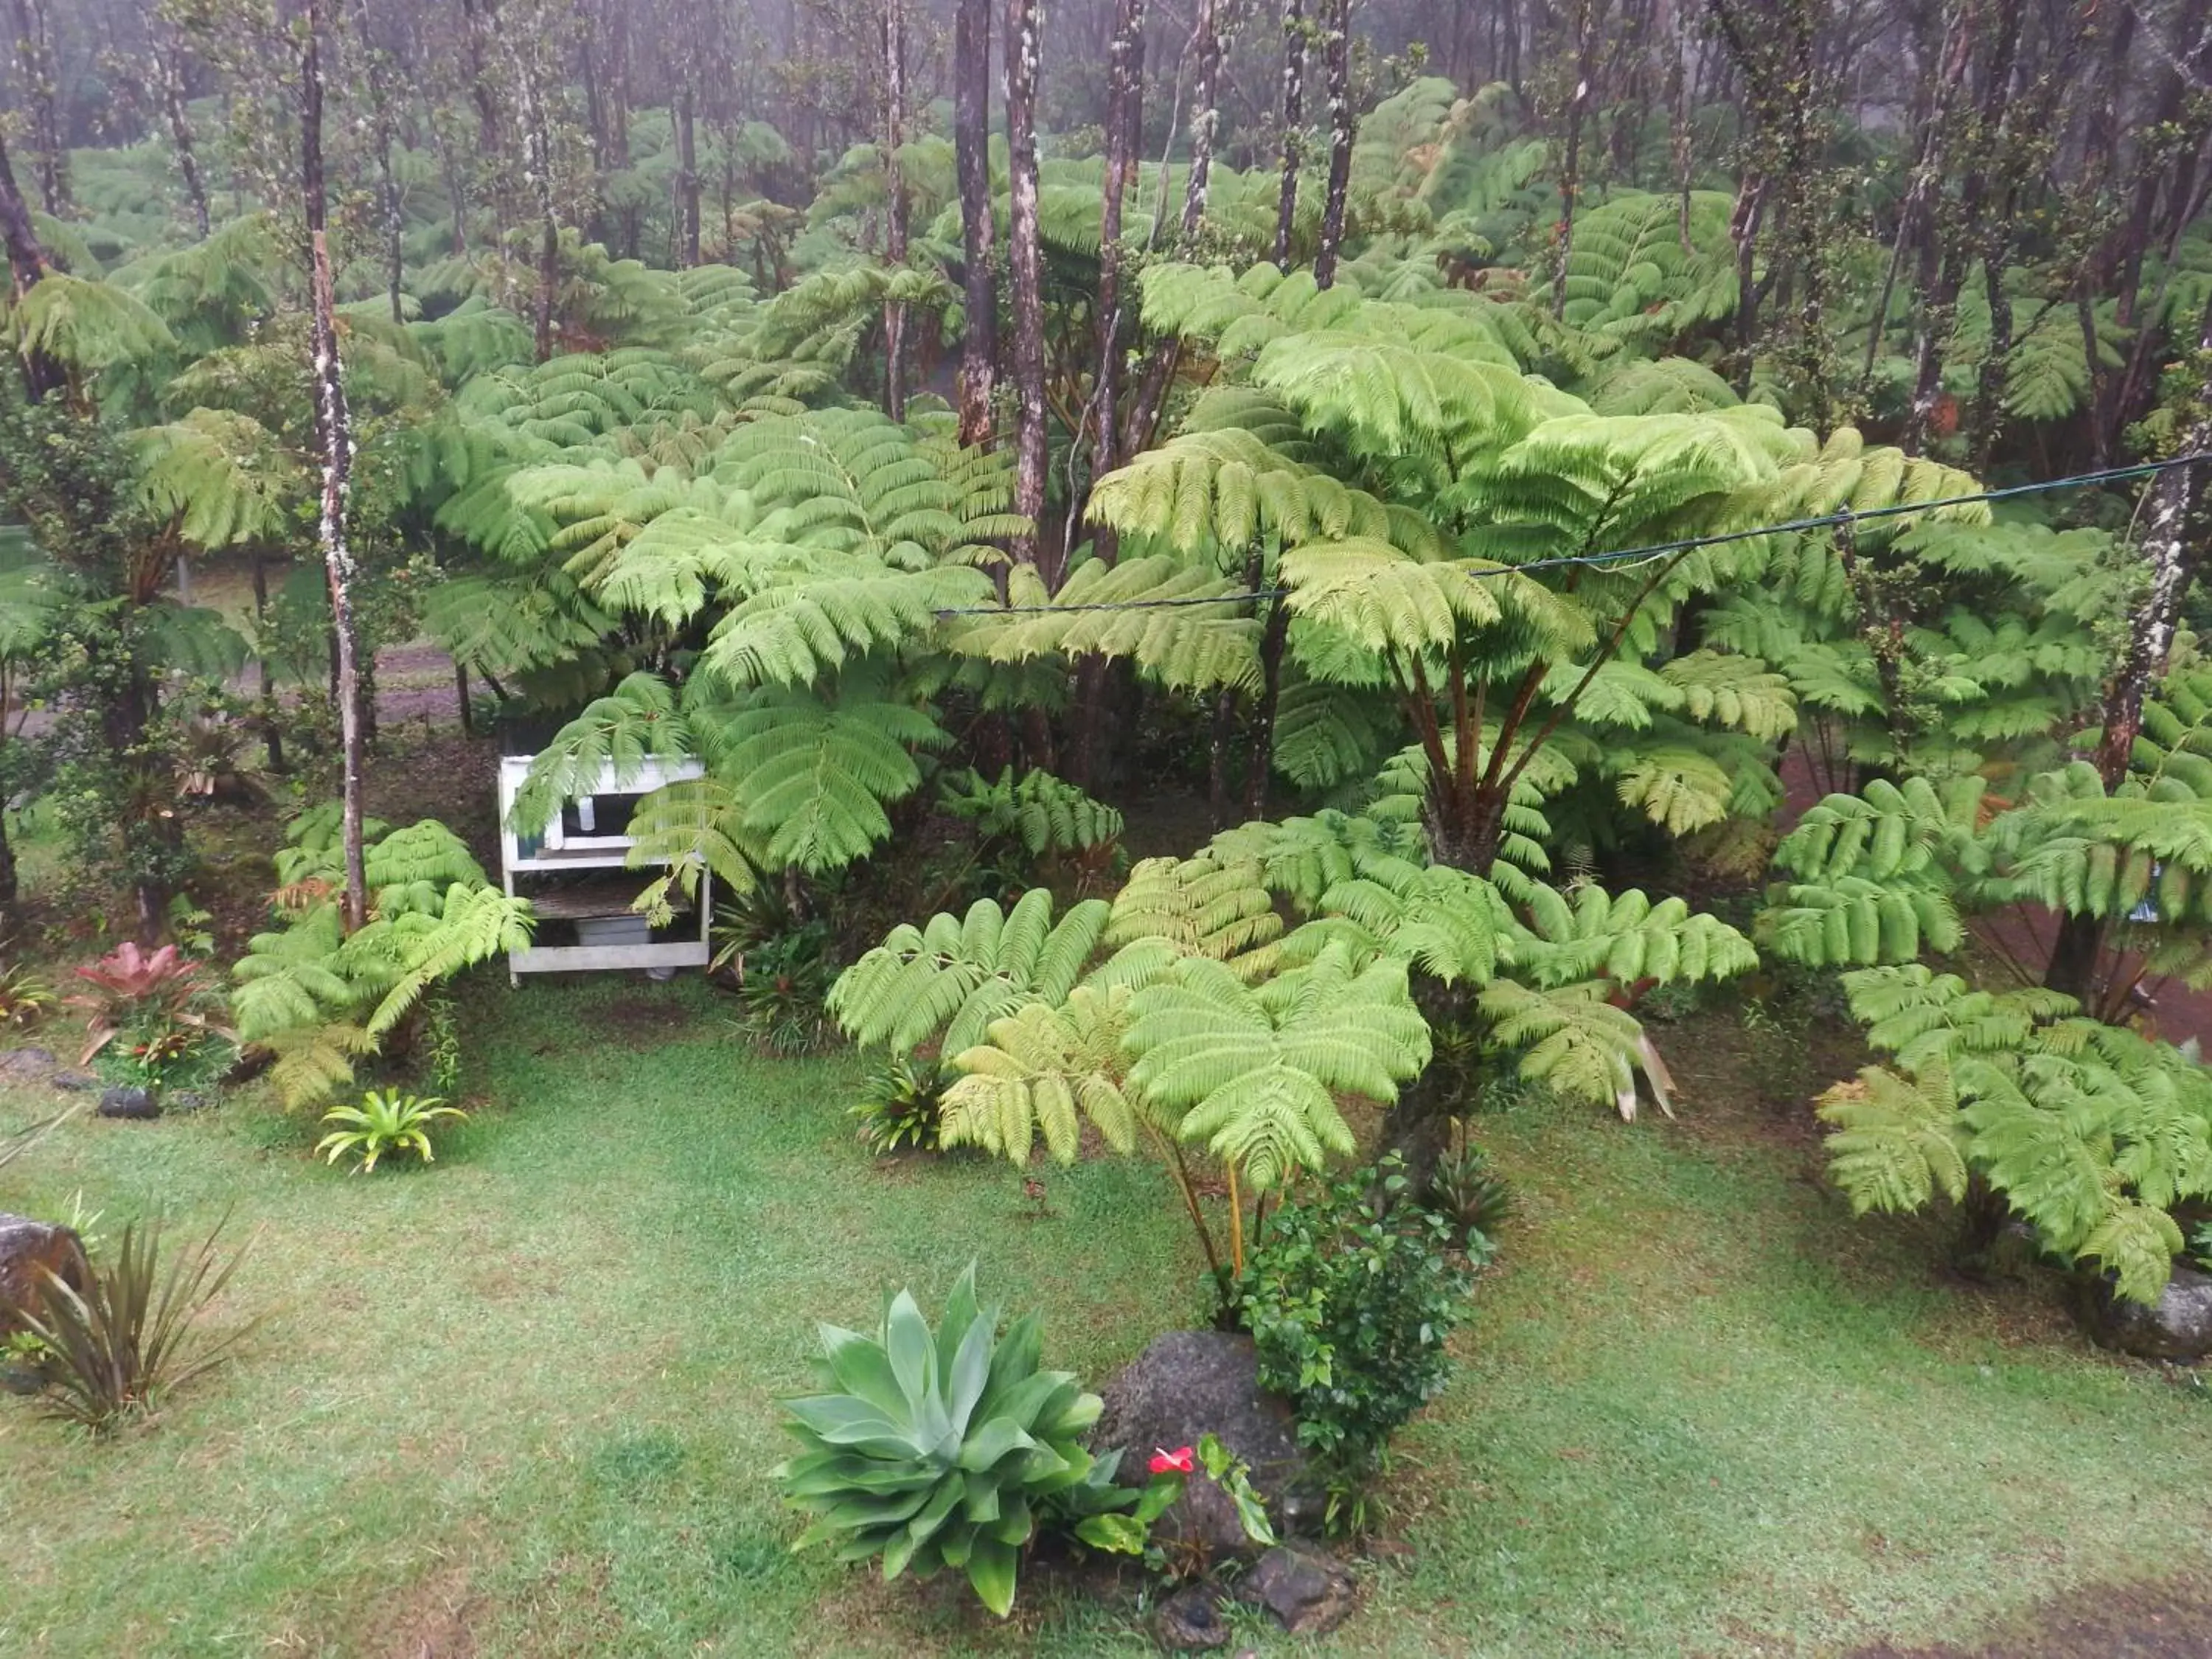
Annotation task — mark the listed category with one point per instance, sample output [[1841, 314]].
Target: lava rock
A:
[[73, 1082], [186, 1100], [1189, 1384], [28, 1065], [125, 1101], [1310, 1594], [1190, 1620], [2177, 1329], [28, 1251]]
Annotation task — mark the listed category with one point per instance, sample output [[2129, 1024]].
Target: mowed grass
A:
[[523, 1402]]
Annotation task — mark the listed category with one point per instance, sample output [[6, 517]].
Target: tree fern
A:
[[1043, 813], [1249, 1071], [1045, 1069], [948, 980]]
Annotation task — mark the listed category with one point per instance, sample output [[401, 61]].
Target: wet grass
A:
[[522, 1403]]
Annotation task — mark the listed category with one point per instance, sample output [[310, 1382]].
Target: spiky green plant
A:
[[386, 1122], [934, 1449], [116, 1347]]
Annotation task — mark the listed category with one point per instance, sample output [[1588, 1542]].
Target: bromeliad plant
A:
[[929, 1449], [130, 988], [384, 1122]]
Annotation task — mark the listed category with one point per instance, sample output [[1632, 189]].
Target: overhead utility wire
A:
[[1657, 550]]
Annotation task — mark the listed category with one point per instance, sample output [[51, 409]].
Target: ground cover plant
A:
[[1670, 1451]]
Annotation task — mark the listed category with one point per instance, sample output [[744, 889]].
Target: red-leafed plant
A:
[[131, 987]]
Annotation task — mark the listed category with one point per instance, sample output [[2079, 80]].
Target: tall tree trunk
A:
[[1948, 255], [2170, 560], [380, 101], [1024, 39], [971, 124], [26, 264], [334, 438], [1294, 116], [169, 75], [1208, 46], [895, 205], [34, 63], [538, 172], [1571, 173], [477, 22], [1125, 92], [1336, 48], [1915, 213], [687, 178]]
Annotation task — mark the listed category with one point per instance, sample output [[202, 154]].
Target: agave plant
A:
[[944, 1449], [111, 1351], [384, 1122]]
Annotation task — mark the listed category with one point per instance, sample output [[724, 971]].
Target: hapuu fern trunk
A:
[[334, 437]]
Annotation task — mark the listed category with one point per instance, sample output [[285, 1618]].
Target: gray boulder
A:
[[28, 1251], [1310, 1594], [1189, 1384], [2177, 1329], [31, 1065], [126, 1101]]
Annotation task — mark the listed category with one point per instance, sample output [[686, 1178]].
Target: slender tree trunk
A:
[[1209, 45], [1570, 174], [1294, 116], [1024, 34], [380, 102], [538, 170], [2171, 560], [272, 731], [896, 206], [1336, 51], [1914, 215], [34, 63], [1262, 765], [334, 438], [979, 345], [687, 178], [1124, 123], [169, 75], [476, 20]]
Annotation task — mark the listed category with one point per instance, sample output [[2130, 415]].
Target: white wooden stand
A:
[[611, 896]]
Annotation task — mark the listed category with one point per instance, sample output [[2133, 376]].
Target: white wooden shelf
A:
[[588, 848]]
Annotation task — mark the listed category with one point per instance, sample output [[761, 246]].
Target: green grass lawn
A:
[[523, 1402]]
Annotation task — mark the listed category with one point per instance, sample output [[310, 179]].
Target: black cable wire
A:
[[1657, 550]]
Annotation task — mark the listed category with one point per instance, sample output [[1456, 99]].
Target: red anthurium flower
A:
[[1179, 1461]]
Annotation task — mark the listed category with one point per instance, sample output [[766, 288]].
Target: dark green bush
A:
[[901, 1105], [1350, 1295]]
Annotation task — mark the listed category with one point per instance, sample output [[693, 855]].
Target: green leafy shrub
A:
[[384, 1122], [114, 1350], [929, 1449], [901, 1105], [1351, 1296]]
